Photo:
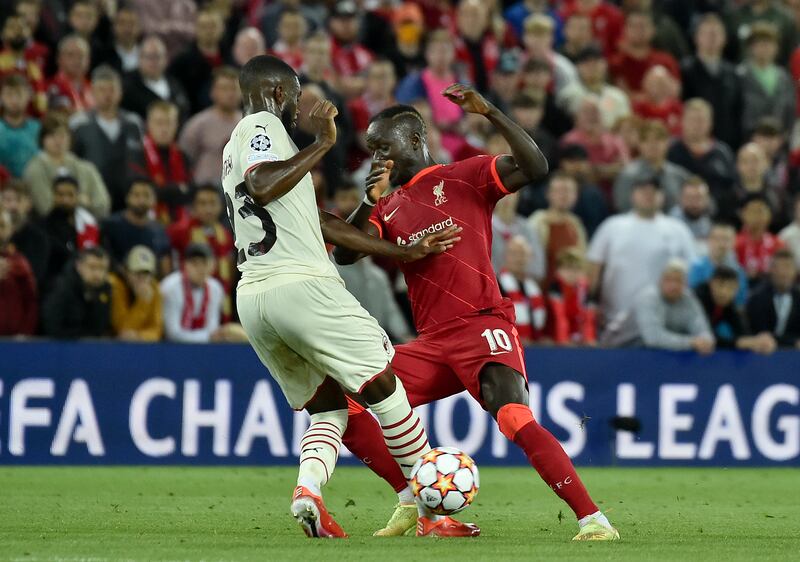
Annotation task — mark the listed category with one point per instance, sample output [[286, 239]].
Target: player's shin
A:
[[319, 449], [547, 456]]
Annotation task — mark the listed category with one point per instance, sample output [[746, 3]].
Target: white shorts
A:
[[307, 330]]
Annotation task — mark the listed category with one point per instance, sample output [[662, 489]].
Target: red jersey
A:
[[628, 72], [461, 280], [755, 255], [669, 113]]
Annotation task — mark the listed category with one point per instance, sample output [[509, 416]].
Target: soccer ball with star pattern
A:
[[445, 480]]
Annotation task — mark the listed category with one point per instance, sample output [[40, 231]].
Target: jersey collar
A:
[[420, 175]]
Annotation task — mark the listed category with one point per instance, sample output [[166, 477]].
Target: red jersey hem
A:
[[377, 225]]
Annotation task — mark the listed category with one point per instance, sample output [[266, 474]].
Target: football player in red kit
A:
[[467, 336]]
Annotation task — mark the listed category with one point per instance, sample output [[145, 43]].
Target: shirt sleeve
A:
[[377, 219], [598, 247], [262, 138]]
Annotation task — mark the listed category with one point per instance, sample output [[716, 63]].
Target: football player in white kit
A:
[[308, 330]]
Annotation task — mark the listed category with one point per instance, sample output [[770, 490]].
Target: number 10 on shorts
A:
[[498, 340]]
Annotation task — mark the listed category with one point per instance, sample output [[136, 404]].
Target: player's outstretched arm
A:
[[343, 235], [271, 180], [527, 163]]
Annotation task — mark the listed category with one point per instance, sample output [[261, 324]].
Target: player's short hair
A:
[[162, 105], [262, 67], [15, 81], [725, 273], [106, 73], [402, 114]]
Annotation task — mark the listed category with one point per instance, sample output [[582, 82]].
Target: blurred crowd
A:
[[670, 218]]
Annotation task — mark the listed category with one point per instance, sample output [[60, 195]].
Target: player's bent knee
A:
[[501, 385], [513, 417]]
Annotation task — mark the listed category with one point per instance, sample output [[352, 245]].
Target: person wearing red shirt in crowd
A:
[[377, 96], [519, 286], [292, 30], [163, 162], [15, 60], [202, 225], [607, 20], [477, 47], [350, 59], [35, 50], [755, 245], [571, 316], [194, 67], [636, 55], [18, 295], [607, 151], [660, 100], [70, 89]]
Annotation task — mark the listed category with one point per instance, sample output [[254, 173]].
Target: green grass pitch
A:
[[210, 514]]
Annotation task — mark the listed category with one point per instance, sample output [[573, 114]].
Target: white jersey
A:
[[282, 241]]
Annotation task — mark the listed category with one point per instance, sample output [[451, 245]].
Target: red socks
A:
[[546, 455], [365, 440]]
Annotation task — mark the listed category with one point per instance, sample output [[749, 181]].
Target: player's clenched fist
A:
[[468, 99], [322, 122]]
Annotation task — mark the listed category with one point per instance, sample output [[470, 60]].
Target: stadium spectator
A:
[[652, 161], [721, 253], [607, 20], [292, 30], [123, 52], [14, 59], [592, 69], [83, 19], [504, 81], [107, 135], [136, 308], [751, 168], [271, 17], [783, 167], [18, 294], [350, 59], [193, 68], [150, 82], [668, 34], [56, 159], [479, 38], [775, 307], [755, 244], [79, 306], [660, 99], [28, 237], [133, 226], [378, 95], [206, 133], [694, 209], [409, 31], [163, 163], [173, 22], [43, 36], [667, 315], [557, 227], [635, 54], [790, 235], [536, 76], [517, 13], [727, 323], [506, 224], [70, 227], [628, 251], [193, 299], [577, 36], [749, 15], [203, 225], [538, 42], [70, 90], [528, 113], [607, 152], [19, 134], [707, 75], [767, 88], [591, 206], [701, 154], [571, 316], [517, 284], [248, 43]]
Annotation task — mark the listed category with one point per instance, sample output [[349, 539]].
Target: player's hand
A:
[[378, 179], [322, 122], [468, 99], [436, 243]]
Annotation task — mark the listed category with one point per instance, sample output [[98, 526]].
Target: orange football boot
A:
[[446, 527], [312, 516]]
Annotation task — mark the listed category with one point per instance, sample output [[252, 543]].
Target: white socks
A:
[[597, 516], [319, 449], [405, 496]]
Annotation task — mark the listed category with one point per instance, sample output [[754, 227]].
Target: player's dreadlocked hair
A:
[[264, 67], [405, 114]]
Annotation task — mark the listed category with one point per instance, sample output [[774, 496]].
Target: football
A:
[[445, 480]]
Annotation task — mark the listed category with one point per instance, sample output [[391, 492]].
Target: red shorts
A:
[[449, 360]]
